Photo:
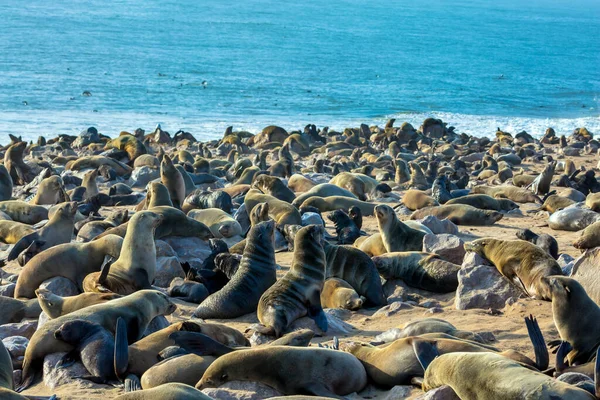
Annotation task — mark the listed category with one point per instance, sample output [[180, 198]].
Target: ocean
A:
[[202, 65]]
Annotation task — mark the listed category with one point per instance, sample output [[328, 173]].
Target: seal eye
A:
[[223, 377], [50, 304]]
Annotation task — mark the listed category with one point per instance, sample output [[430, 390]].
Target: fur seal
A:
[[425, 271], [395, 235], [325, 372], [518, 195], [89, 183], [221, 224], [273, 186], [184, 368], [94, 228], [361, 185], [485, 202], [490, 376], [187, 290], [70, 260], [590, 237], [460, 214], [332, 203], [572, 219], [14, 310], [337, 293], [323, 190], [58, 230], [300, 183], [357, 269], [282, 212], [55, 306], [545, 241], [541, 184], [523, 263], [298, 292], [11, 231], [202, 199], [6, 184], [168, 391], [136, 310], [173, 181], [254, 276], [23, 212], [83, 163], [417, 199], [427, 325], [50, 191], [345, 227], [136, 266]]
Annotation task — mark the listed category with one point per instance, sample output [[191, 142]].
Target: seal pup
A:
[[423, 326], [395, 235], [188, 290], [337, 293], [273, 186], [298, 292], [345, 227], [545, 241], [324, 372], [94, 228], [523, 263], [256, 273], [136, 266]]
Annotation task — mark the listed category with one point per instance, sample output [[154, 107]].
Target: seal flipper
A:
[[426, 351], [21, 245], [316, 313], [199, 343], [104, 270], [121, 349], [597, 374], [542, 359], [132, 383], [561, 353]]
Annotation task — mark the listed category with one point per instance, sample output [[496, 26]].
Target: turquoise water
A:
[[478, 64]]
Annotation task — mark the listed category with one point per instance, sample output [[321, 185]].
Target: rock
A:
[[564, 260], [438, 226], [398, 392], [258, 338], [43, 319], [60, 286], [483, 286], [167, 268], [16, 346], [57, 376], [311, 218], [8, 290], [472, 259], [241, 390], [189, 249], [441, 393], [516, 213], [24, 328], [449, 247], [242, 217], [142, 175], [391, 309], [402, 211], [434, 310], [163, 249], [396, 290], [335, 325], [430, 304], [156, 325]]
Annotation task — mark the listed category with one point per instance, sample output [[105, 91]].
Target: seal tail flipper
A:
[[21, 245], [426, 351], [542, 359], [121, 349], [561, 353], [132, 383], [30, 369], [199, 343]]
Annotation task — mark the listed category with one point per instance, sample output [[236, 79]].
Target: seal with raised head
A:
[[545, 241], [73, 261], [395, 234], [345, 227], [521, 262], [324, 372], [254, 276], [50, 191], [273, 186], [173, 181], [298, 292], [425, 271], [281, 211], [136, 266]]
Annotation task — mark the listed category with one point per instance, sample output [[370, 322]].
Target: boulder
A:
[[482, 286], [438, 226], [24, 328], [60, 286], [449, 247], [167, 269], [55, 376], [189, 249], [142, 175], [391, 309], [8, 290], [441, 393]]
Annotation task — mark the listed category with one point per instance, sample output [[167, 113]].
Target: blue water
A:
[[478, 64]]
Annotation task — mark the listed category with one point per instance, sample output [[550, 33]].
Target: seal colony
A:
[[303, 264]]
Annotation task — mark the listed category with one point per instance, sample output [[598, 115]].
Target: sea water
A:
[[202, 65]]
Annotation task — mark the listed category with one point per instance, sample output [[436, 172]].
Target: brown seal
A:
[[14, 310], [337, 293], [485, 202], [460, 214], [95, 228], [89, 183], [221, 224], [136, 266], [84, 163], [73, 261], [298, 183], [173, 181], [590, 237], [254, 276], [50, 191], [11, 231], [282, 212], [298, 292], [523, 263], [332, 203], [396, 235], [55, 306], [417, 199], [273, 186], [362, 186], [6, 184], [513, 193], [323, 190], [324, 372], [184, 368], [136, 310], [24, 212], [425, 271]]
